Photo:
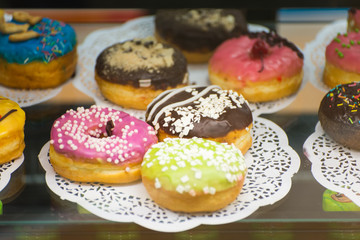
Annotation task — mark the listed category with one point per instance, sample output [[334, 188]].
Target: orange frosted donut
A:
[[342, 57], [261, 66], [12, 120]]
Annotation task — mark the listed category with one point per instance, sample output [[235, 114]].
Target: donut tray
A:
[[314, 52], [334, 166], [271, 164], [7, 169], [142, 27]]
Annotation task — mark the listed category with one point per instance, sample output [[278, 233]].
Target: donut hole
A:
[[102, 133]]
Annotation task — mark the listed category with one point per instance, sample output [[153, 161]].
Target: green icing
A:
[[193, 165], [331, 205]]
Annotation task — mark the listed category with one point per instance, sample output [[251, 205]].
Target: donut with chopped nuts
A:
[[132, 73], [197, 32], [193, 175], [99, 144], [202, 111]]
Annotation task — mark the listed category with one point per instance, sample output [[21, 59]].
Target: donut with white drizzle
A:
[[99, 144], [204, 112]]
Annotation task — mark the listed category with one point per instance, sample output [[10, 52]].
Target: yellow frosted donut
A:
[[12, 121]]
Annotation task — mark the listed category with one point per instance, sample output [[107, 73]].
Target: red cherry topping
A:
[[259, 49]]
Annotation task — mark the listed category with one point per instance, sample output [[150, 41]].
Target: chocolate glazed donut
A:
[[169, 71], [194, 29], [204, 112], [132, 73], [339, 114]]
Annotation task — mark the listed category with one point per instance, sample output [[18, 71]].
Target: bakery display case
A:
[[288, 193]]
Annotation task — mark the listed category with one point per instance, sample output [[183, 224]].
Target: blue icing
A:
[[57, 39]]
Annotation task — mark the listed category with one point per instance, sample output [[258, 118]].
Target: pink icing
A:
[[355, 16], [80, 134], [233, 58], [344, 52]]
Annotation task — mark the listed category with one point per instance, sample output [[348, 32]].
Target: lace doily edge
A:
[[5, 179], [316, 170]]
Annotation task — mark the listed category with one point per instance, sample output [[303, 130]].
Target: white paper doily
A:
[[314, 52], [142, 27], [334, 166], [7, 169], [26, 98], [271, 165]]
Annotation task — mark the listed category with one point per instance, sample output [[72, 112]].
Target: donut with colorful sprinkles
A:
[[193, 174], [342, 55], [339, 114], [99, 144], [36, 52]]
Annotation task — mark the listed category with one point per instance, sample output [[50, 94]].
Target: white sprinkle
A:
[[198, 175], [157, 183], [184, 179]]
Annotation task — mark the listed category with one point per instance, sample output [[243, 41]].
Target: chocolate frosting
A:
[[170, 26], [272, 38], [199, 111], [171, 73], [342, 105]]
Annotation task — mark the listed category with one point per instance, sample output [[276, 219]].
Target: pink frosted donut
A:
[[353, 20], [99, 144], [261, 66], [342, 56]]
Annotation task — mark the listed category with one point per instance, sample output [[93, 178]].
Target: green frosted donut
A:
[[194, 166]]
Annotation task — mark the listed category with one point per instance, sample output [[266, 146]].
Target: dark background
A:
[[248, 4], [254, 9]]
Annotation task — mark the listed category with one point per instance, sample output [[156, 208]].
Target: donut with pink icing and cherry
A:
[[99, 144], [342, 57], [262, 66]]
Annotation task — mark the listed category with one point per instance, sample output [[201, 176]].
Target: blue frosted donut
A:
[[57, 39], [45, 61]]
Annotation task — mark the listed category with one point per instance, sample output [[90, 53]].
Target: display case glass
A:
[[31, 208]]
